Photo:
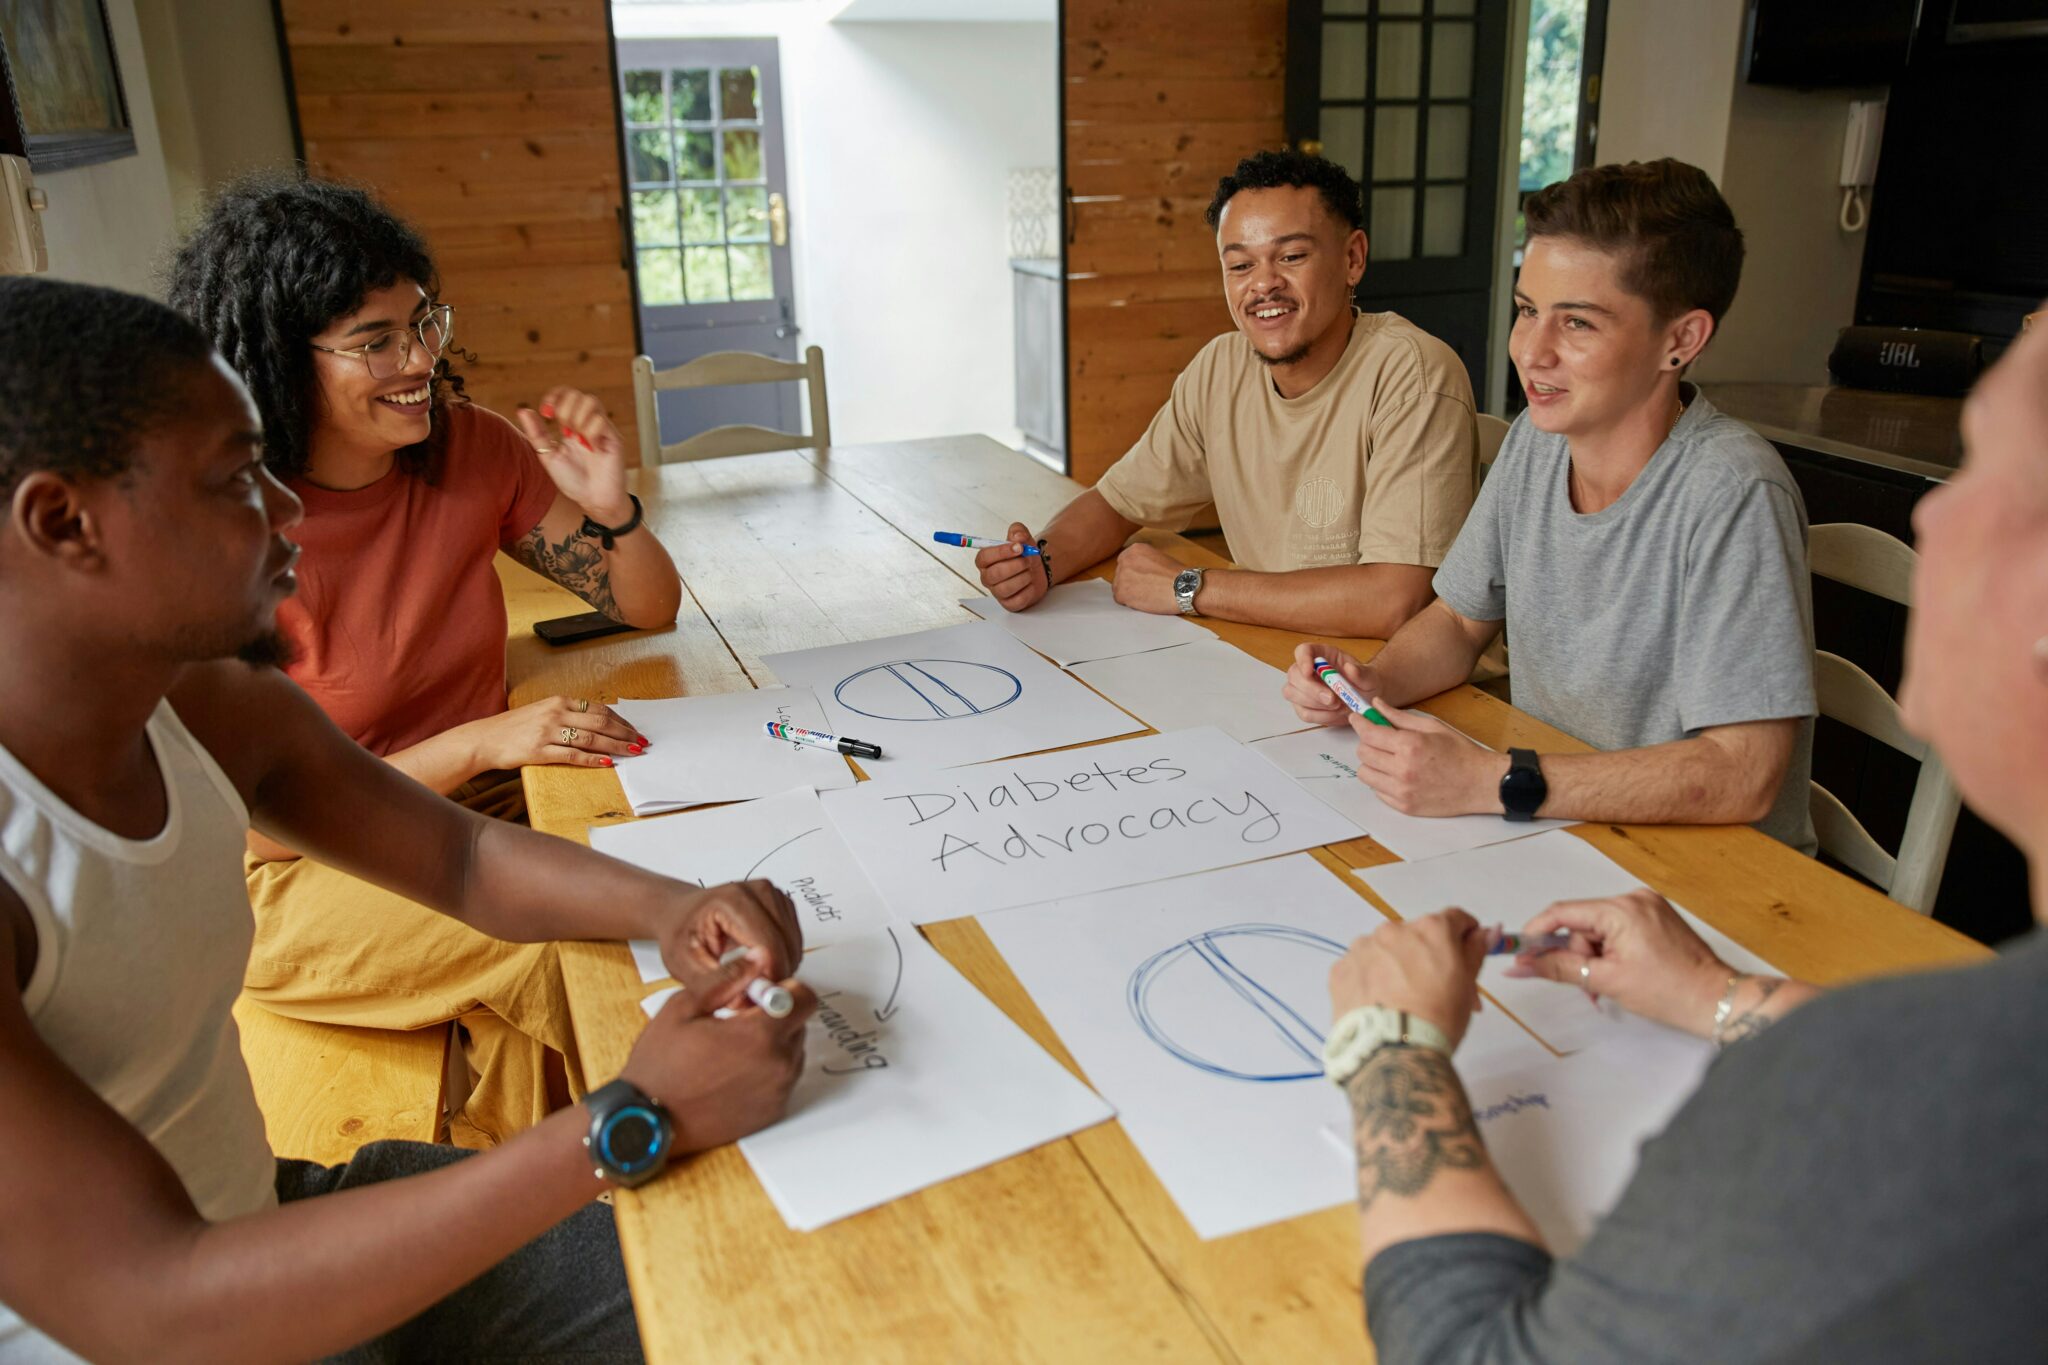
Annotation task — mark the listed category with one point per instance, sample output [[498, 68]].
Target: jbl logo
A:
[[1899, 354]]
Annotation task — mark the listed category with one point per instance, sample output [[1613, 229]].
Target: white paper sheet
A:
[[911, 1077], [1565, 1133], [785, 838], [1509, 884], [940, 698], [1211, 682], [939, 844], [1325, 761], [1076, 622], [715, 748], [1199, 1007]]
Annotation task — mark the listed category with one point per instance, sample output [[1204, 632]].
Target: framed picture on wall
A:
[[64, 104]]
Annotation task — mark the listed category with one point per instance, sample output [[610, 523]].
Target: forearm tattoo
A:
[[576, 562], [1412, 1119], [1753, 1020]]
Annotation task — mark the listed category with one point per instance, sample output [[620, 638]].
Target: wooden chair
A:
[[715, 370], [1866, 558], [1492, 431], [325, 1090]]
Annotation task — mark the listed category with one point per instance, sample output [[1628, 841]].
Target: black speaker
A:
[[1907, 360]]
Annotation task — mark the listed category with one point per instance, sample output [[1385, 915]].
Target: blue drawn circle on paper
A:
[[1216, 977], [928, 689]]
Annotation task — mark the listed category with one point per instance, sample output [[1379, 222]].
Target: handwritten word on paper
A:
[[940, 844]]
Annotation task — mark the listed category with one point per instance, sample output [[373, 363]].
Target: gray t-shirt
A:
[[1685, 605], [1867, 1181]]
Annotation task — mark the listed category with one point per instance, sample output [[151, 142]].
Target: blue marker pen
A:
[[1348, 694], [976, 542], [1500, 941]]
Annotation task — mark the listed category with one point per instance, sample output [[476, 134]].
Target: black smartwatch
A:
[[1522, 788], [608, 535], [629, 1134]]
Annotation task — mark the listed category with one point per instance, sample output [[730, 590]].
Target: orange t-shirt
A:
[[399, 622]]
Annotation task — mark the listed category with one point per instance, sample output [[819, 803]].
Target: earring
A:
[[1674, 360]]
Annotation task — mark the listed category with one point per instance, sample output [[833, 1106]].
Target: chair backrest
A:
[[1866, 558], [715, 370], [1492, 431]]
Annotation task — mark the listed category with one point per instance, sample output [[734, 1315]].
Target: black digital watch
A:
[[1522, 788], [629, 1135]]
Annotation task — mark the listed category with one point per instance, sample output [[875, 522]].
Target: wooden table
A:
[[1074, 1251]]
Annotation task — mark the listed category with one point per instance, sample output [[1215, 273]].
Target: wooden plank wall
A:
[[492, 127], [1161, 100]]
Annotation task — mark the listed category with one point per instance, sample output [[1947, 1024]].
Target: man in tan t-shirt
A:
[[1338, 446]]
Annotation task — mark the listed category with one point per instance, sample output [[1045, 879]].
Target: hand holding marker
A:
[[1348, 694], [775, 1001], [977, 542]]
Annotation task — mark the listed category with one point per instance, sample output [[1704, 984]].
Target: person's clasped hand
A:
[[588, 461], [1428, 967], [1013, 578], [572, 730], [721, 1079], [1311, 697], [1635, 950], [705, 924]]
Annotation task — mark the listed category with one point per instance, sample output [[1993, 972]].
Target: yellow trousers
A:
[[333, 949]]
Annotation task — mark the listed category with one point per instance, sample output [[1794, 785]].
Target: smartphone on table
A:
[[567, 630]]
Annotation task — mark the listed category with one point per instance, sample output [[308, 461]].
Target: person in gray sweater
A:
[[1866, 1179]]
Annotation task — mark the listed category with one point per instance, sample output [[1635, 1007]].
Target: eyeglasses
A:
[[386, 354]]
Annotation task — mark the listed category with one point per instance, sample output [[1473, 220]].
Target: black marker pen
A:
[[816, 740]]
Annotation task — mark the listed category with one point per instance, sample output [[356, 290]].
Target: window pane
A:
[[738, 93], [704, 274], [1392, 224], [1400, 6], [1345, 6], [701, 222], [742, 154], [1550, 91], [747, 212], [1400, 73], [693, 156], [1450, 137], [654, 217], [1453, 6], [750, 276], [650, 155], [1393, 142], [1443, 220], [643, 101], [1344, 61], [661, 276], [1343, 133], [1450, 62], [690, 96]]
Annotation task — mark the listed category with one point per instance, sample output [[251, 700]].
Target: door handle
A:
[[778, 220], [1309, 146]]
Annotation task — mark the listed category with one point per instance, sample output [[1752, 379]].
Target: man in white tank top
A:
[[143, 550]]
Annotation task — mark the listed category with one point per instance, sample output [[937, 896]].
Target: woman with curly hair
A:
[[328, 305]]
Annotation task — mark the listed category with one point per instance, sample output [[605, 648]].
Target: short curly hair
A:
[[1672, 230], [1293, 170], [274, 261], [84, 371]]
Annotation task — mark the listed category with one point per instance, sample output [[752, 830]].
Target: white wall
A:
[[900, 139], [115, 223], [1671, 86]]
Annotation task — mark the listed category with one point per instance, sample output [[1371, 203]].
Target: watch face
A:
[[632, 1139]]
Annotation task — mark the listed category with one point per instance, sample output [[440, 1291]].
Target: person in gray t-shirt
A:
[[1861, 1176], [1645, 553]]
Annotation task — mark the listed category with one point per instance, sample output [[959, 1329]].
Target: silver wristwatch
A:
[[1186, 584]]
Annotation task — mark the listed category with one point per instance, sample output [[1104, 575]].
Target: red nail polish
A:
[[607, 762], [632, 748], [581, 441], [547, 409], [646, 743]]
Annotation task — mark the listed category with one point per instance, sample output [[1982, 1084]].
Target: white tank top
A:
[[141, 945]]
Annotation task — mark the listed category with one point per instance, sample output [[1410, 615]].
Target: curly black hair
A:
[[1293, 170], [83, 372], [275, 260]]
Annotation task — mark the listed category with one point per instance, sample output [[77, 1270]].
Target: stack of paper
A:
[[716, 748], [1206, 683]]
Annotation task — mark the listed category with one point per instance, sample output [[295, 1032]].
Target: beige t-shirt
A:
[[1377, 464]]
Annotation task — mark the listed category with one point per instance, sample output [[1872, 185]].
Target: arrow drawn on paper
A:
[[889, 1008]]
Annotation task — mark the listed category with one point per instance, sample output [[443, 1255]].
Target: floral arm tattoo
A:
[[576, 562], [1412, 1119], [1753, 1020]]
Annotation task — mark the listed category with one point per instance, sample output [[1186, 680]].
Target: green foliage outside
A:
[[1550, 98]]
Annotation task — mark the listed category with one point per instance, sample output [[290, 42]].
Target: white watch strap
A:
[[1358, 1035]]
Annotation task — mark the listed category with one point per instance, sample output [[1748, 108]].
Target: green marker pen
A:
[[1346, 693]]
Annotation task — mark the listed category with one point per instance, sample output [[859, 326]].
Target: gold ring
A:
[[1585, 971], [569, 734], [580, 704]]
